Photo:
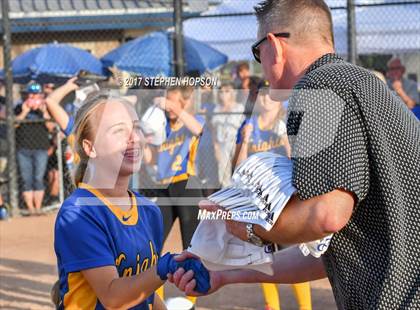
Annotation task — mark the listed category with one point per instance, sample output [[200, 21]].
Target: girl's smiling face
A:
[[118, 141]]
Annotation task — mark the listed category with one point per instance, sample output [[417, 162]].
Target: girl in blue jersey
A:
[[176, 162], [265, 131], [108, 239]]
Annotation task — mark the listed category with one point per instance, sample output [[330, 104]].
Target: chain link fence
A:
[[41, 158]]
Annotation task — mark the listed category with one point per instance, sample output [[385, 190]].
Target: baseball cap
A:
[[33, 88]]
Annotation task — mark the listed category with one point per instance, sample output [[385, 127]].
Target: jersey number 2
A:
[[176, 165]]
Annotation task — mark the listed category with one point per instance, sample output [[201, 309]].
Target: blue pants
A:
[[32, 166]]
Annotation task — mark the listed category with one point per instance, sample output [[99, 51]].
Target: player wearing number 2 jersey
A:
[[176, 162]]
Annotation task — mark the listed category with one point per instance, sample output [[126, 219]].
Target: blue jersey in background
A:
[[177, 155], [264, 140]]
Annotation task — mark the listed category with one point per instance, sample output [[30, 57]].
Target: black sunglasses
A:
[[256, 45]]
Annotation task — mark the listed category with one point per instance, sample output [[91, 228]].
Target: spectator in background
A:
[[226, 121], [207, 104], [243, 76], [242, 82], [52, 165], [264, 131], [3, 144], [405, 88], [32, 143], [176, 161], [207, 165], [58, 113]]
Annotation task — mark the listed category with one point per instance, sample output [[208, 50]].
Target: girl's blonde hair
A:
[[85, 125]]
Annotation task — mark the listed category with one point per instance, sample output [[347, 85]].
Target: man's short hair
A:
[[302, 18]]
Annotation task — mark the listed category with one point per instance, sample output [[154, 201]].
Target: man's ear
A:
[[277, 47], [88, 148]]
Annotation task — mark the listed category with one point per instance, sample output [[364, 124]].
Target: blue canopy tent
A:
[[152, 55], [380, 29], [53, 63]]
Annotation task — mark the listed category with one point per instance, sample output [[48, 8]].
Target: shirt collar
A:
[[324, 60]]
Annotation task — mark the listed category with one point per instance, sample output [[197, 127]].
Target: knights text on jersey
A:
[[348, 131]]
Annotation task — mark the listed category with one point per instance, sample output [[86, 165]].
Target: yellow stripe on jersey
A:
[[80, 295], [174, 179], [129, 217]]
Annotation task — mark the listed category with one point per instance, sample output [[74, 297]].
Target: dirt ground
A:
[[28, 270]]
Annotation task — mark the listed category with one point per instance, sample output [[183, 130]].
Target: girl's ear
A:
[[88, 148]]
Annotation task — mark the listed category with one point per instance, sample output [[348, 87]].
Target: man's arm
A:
[[302, 220], [289, 266]]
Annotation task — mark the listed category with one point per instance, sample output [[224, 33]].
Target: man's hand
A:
[[238, 229], [185, 280]]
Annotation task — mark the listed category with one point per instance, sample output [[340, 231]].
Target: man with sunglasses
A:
[[356, 157]]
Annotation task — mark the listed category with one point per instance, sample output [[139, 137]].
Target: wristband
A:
[[167, 264]]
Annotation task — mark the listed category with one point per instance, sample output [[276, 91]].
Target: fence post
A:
[[351, 32], [59, 154], [11, 163], [178, 39]]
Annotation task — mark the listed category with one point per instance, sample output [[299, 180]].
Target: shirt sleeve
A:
[[341, 164], [200, 119], [80, 242], [18, 109], [68, 130], [412, 91]]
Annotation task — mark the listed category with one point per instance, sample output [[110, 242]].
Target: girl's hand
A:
[[167, 105], [247, 132], [185, 281]]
